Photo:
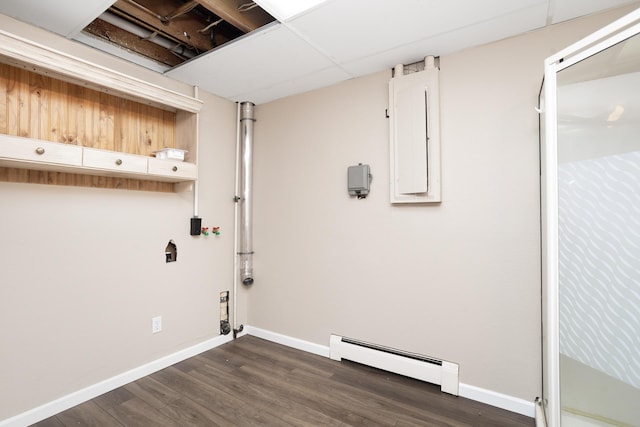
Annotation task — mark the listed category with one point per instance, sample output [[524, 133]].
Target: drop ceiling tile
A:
[[256, 61], [563, 10], [65, 17], [322, 78], [347, 31], [487, 31]]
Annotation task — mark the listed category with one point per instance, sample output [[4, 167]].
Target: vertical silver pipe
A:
[[247, 120]]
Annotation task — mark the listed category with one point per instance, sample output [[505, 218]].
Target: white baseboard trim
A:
[[499, 400], [65, 402], [309, 347], [478, 394]]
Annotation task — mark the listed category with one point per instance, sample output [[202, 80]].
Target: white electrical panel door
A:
[[415, 137], [410, 108]]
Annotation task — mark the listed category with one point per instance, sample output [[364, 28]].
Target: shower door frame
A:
[[622, 29]]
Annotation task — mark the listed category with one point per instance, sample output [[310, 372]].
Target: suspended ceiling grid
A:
[[333, 41]]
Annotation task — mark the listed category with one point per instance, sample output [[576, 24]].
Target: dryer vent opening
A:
[[171, 252]]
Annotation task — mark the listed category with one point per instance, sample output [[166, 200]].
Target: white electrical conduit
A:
[[247, 6], [196, 194], [213, 24], [235, 218]]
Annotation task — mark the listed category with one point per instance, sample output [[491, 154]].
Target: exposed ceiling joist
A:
[[185, 8], [113, 34], [182, 28], [230, 11], [185, 29]]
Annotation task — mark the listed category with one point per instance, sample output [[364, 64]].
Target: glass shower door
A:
[[598, 195]]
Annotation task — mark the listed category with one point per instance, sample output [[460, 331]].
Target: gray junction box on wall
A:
[[358, 178]]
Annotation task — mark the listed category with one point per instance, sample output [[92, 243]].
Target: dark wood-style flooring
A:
[[253, 382]]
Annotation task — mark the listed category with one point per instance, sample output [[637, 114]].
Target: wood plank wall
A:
[[40, 107]]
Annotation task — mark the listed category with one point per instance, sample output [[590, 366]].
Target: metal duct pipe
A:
[[247, 120], [123, 24]]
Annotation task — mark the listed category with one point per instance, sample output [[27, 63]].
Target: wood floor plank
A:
[[314, 393], [113, 398], [348, 375], [153, 392], [276, 397], [188, 413], [405, 394], [173, 404], [253, 382], [87, 414], [285, 357], [50, 422], [357, 406], [137, 413], [400, 410], [235, 410]]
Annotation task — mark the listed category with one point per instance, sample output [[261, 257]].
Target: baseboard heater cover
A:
[[435, 371]]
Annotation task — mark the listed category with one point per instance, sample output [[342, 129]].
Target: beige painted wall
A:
[[459, 281], [83, 271]]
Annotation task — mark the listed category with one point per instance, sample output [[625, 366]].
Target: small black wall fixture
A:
[[196, 226]]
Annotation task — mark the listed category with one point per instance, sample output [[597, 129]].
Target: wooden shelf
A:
[[26, 153]]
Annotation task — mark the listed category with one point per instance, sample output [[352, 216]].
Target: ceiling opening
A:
[[170, 32]]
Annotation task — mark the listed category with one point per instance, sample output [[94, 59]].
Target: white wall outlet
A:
[[156, 324]]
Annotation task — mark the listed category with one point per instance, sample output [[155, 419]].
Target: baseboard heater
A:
[[431, 370]]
